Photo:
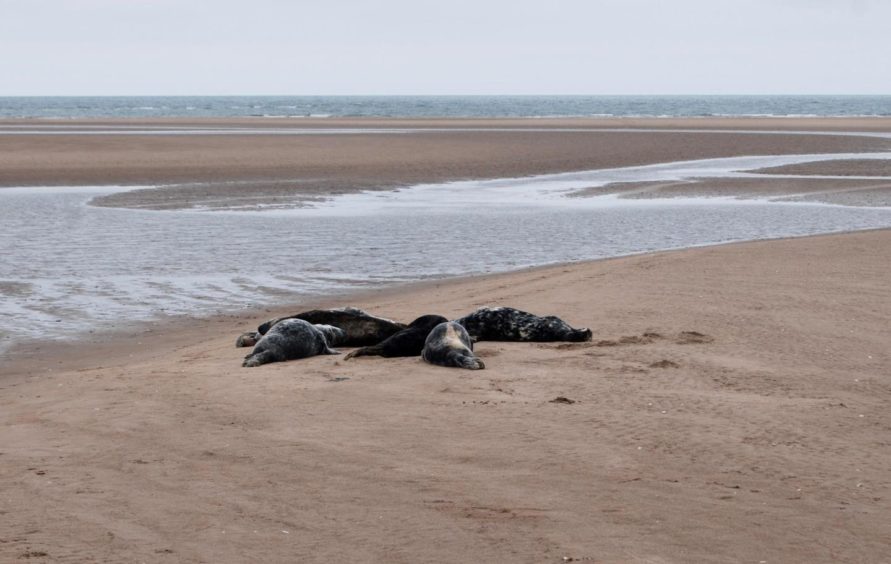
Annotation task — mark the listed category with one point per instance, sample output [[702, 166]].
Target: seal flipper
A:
[[462, 360], [364, 351], [260, 358]]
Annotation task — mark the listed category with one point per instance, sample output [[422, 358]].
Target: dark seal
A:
[[361, 328], [408, 342], [509, 324], [448, 344], [289, 340]]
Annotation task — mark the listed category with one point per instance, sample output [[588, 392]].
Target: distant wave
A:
[[537, 107]]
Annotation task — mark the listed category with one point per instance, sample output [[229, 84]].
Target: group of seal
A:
[[433, 337]]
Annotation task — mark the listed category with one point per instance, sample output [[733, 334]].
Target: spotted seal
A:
[[509, 324], [408, 342], [291, 339], [448, 344], [361, 328]]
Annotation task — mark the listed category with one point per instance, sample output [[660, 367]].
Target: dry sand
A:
[[732, 408]]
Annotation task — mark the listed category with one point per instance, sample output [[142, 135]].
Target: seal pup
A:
[[408, 342], [290, 339], [448, 344], [509, 324], [362, 328]]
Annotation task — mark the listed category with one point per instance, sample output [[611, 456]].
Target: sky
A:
[[389, 47]]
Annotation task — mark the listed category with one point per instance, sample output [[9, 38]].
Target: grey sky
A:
[[59, 47]]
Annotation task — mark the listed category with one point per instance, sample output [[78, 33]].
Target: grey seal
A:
[[509, 324], [408, 342], [448, 344], [291, 339], [361, 328]]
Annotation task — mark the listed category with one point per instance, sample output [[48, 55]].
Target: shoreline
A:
[[65, 351]]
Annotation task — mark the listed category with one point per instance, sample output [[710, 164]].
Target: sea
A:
[[64, 107], [72, 270]]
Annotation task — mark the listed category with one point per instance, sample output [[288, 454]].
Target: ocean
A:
[[69, 107]]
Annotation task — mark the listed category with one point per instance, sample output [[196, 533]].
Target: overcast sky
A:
[[122, 47]]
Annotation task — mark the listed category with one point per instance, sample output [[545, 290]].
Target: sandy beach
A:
[[732, 406]]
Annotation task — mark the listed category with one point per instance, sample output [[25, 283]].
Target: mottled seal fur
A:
[[361, 328], [291, 339], [448, 344], [509, 324], [408, 342]]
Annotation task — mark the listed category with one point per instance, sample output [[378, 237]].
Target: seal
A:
[[361, 328], [509, 324], [408, 342], [448, 344], [290, 339]]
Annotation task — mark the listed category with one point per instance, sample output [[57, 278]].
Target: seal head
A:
[[448, 344]]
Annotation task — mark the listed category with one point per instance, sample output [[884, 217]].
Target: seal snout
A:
[[580, 335]]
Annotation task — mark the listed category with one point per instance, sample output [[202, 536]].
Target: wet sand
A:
[[732, 407], [830, 191], [258, 168], [851, 167]]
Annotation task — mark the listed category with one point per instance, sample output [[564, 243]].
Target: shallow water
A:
[[70, 268]]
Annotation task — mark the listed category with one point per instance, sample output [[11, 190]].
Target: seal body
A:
[[509, 324], [408, 342], [289, 339], [334, 335], [360, 328], [448, 344]]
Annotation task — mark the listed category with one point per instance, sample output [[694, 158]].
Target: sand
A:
[[850, 167], [732, 406], [870, 193], [213, 169]]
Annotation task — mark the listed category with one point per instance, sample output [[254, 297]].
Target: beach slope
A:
[[732, 407]]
